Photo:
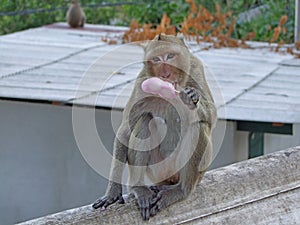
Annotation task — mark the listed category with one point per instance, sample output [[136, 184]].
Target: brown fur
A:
[[75, 15], [167, 140]]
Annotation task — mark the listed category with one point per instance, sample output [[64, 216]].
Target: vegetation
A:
[[16, 21], [265, 24], [15, 15]]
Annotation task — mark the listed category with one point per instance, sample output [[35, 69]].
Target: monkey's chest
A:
[[169, 120], [168, 110], [169, 128]]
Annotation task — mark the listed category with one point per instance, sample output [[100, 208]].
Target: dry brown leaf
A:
[[201, 25], [283, 20]]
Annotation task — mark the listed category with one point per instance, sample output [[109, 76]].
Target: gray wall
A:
[[276, 142], [234, 147], [42, 170]]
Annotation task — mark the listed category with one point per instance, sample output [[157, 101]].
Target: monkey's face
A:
[[168, 58], [164, 66]]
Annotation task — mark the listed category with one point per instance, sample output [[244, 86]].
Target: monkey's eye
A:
[[156, 60], [170, 56]]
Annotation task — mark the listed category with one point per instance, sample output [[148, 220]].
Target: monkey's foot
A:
[[145, 204], [164, 198], [105, 201], [144, 198]]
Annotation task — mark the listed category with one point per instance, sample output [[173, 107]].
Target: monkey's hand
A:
[[190, 97], [114, 195], [105, 201]]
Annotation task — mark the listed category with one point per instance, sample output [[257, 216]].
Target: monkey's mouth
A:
[[174, 81], [166, 76]]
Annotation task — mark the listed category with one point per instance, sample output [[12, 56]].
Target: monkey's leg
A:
[[143, 195], [196, 150], [140, 148], [114, 189]]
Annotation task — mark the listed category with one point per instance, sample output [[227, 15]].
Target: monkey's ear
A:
[[159, 37]]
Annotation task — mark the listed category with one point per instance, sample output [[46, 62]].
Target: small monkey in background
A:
[[75, 15], [167, 140]]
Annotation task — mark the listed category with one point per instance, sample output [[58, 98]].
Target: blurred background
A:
[[16, 15]]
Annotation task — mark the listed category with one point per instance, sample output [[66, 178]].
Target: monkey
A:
[[75, 15], [168, 141]]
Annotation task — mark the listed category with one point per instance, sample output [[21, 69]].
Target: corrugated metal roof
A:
[[54, 63]]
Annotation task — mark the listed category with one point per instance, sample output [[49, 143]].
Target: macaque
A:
[[167, 140], [75, 15]]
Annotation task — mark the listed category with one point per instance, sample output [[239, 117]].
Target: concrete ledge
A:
[[264, 190]]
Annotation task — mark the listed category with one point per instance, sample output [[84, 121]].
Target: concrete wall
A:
[[272, 142], [263, 190], [226, 152], [275, 142], [234, 147], [42, 170]]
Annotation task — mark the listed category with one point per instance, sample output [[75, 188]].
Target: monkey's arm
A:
[[114, 189], [200, 97], [138, 161], [207, 111]]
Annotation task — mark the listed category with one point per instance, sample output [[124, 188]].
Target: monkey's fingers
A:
[[190, 97], [100, 202], [154, 210], [106, 201], [193, 95], [144, 204], [155, 207], [157, 204], [121, 200]]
